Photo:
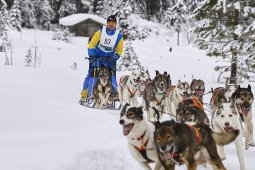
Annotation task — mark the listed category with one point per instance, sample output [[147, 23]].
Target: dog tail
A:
[[225, 138]]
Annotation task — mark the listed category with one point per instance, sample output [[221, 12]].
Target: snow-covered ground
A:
[[42, 126]]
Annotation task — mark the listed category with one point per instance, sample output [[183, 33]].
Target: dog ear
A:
[[139, 112], [249, 88], [157, 72]]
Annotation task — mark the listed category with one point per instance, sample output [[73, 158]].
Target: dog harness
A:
[[123, 80], [196, 130], [142, 149]]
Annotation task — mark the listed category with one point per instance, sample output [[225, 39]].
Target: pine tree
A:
[[44, 13], [222, 30], [28, 59], [27, 9], [15, 15], [67, 8], [4, 27]]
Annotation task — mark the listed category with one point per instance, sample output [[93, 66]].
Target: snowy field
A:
[[42, 126]]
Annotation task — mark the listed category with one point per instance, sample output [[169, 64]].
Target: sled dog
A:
[[155, 95], [178, 143], [226, 119], [139, 133], [102, 88], [197, 87], [131, 86], [243, 99], [221, 95], [190, 111], [176, 96]]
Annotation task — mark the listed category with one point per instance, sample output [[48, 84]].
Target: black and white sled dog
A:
[[132, 86], [243, 99], [155, 95], [179, 92], [221, 95], [102, 88], [197, 88], [225, 119], [140, 135]]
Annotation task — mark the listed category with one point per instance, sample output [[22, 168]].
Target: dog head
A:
[[130, 117], [197, 87], [229, 90], [103, 74], [183, 89], [164, 137], [243, 98], [162, 81], [226, 116], [186, 113], [139, 76]]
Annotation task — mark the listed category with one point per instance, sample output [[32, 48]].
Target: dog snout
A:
[[227, 124], [161, 84], [121, 121], [138, 78]]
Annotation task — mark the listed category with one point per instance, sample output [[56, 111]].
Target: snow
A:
[[44, 128], [77, 18]]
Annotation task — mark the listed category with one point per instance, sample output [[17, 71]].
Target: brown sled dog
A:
[[178, 143]]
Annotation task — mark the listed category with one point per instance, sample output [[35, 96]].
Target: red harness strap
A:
[[196, 133]]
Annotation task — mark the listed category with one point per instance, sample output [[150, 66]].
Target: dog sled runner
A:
[[95, 63]]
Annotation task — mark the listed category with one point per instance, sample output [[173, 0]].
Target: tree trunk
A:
[[233, 76], [178, 36]]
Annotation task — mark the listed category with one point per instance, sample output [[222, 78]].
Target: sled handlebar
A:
[[106, 58]]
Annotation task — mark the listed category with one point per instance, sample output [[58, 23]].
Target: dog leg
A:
[[249, 132], [239, 150], [152, 111]]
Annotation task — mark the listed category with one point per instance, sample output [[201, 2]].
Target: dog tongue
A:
[[126, 129], [167, 155], [246, 111]]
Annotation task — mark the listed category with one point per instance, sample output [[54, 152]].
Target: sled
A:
[[113, 102]]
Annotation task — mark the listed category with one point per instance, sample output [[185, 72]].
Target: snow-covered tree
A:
[[129, 61], [15, 15], [44, 13], [28, 59], [27, 13], [225, 29], [67, 8]]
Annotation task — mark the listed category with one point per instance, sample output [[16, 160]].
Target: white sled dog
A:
[[226, 118], [140, 135], [176, 96], [132, 86]]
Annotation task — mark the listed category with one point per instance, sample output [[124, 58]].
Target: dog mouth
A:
[[168, 155], [228, 128], [127, 128], [137, 81], [199, 92], [245, 110]]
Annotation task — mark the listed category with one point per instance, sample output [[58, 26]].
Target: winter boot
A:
[[84, 95]]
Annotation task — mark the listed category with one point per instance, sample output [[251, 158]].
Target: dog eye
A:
[[168, 137], [129, 114], [249, 98], [230, 115], [242, 98], [222, 115]]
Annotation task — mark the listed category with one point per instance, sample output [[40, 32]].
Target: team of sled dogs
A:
[[188, 137]]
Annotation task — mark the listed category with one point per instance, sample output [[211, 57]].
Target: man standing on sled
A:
[[106, 42]]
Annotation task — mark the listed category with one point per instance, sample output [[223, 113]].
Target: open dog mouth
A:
[[127, 128], [245, 110], [137, 81], [228, 128], [199, 92], [168, 155]]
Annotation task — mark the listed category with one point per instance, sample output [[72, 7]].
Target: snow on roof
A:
[[77, 18]]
